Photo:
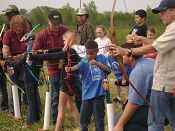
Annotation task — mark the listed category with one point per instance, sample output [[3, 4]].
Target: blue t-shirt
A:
[[141, 77], [92, 77], [114, 66]]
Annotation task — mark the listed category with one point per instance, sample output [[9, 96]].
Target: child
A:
[[69, 86], [151, 34], [102, 40], [93, 72]]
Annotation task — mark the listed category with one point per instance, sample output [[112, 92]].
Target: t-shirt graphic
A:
[[115, 67], [95, 72]]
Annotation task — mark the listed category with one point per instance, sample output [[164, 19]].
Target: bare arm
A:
[[6, 51], [71, 69], [126, 116]]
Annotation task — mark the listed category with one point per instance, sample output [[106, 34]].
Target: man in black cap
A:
[[48, 39], [163, 90], [140, 27]]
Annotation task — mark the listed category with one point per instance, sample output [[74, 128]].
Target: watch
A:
[[129, 52]]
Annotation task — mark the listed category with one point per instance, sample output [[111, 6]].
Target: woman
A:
[[14, 48]]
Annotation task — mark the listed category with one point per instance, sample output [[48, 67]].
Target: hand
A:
[[68, 69], [118, 51], [129, 39], [93, 62], [138, 40], [118, 128], [105, 84]]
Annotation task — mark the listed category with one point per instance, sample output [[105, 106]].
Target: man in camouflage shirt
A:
[[84, 28]]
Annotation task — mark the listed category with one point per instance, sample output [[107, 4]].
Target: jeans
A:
[[3, 89], [33, 97], [55, 88], [163, 106], [138, 121], [95, 106]]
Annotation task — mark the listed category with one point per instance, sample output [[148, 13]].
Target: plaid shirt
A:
[[86, 32], [47, 39]]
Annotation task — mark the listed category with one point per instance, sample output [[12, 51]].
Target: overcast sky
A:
[[102, 5]]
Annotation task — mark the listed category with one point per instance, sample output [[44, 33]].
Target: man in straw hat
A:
[[84, 28]]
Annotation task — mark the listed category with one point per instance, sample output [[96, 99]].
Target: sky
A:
[[102, 5]]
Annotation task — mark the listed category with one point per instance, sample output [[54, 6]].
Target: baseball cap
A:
[[55, 17], [164, 5], [141, 13]]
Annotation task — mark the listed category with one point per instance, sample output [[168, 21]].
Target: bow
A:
[[112, 32]]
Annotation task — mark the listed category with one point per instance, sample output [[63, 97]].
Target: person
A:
[[93, 69], [21, 75], [102, 40], [162, 95], [151, 34], [65, 97], [135, 114], [52, 38], [11, 11], [140, 27], [84, 28]]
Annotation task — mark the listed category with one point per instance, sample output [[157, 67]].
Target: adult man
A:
[[135, 113], [163, 89], [51, 38], [140, 27], [84, 28]]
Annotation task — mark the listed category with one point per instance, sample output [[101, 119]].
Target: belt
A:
[[164, 89]]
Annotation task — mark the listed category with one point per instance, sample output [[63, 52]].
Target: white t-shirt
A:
[[80, 49], [103, 45]]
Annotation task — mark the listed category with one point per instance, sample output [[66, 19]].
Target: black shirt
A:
[[139, 30]]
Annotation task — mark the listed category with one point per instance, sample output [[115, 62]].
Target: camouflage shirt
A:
[[86, 32]]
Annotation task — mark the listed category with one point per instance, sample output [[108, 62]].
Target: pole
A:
[[16, 102], [80, 3]]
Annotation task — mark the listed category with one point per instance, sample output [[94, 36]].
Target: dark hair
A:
[[142, 13], [91, 45]]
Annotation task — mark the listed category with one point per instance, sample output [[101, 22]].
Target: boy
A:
[[93, 72], [140, 27]]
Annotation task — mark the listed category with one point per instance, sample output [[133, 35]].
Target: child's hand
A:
[[68, 69], [93, 62]]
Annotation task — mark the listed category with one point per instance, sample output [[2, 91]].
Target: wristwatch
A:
[[129, 52]]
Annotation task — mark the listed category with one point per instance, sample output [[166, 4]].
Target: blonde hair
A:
[[20, 21], [74, 34]]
